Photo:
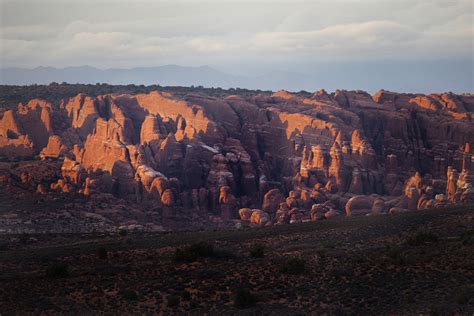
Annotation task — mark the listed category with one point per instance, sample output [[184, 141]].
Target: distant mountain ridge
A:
[[171, 75], [421, 77]]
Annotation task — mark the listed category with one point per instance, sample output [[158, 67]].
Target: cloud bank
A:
[[229, 34]]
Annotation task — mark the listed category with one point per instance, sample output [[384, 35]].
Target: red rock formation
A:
[[54, 149], [281, 152], [359, 205], [82, 113], [259, 217], [228, 203], [245, 214], [272, 200]]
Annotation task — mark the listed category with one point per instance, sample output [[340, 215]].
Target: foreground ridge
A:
[[410, 263]]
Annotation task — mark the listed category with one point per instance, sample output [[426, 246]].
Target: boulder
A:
[[245, 214], [318, 211], [359, 205], [259, 217], [167, 198], [397, 210], [378, 207], [331, 213], [272, 200], [411, 193]]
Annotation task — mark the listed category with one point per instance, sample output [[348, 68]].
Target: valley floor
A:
[[418, 262]]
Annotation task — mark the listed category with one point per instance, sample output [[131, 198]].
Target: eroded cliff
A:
[[278, 158]]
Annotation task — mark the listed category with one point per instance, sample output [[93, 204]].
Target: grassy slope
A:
[[415, 262]]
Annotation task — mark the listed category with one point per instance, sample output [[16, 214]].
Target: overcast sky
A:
[[235, 36]]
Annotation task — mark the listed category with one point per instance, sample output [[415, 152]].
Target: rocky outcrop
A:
[[259, 217], [359, 205], [272, 200], [284, 157], [54, 149]]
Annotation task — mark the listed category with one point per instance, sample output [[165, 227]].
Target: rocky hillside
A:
[[260, 158]]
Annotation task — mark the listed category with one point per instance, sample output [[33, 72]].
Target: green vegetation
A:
[[130, 295], [422, 238], [194, 252], [10, 96], [359, 265], [395, 255], [185, 296], [58, 270], [102, 253], [243, 298], [293, 266], [467, 238], [173, 301], [201, 250], [257, 251]]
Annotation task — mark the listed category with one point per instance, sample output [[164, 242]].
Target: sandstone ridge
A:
[[264, 159]]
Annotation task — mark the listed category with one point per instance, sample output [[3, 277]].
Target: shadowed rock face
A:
[[297, 158]]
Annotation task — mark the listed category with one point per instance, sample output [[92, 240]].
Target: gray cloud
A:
[[146, 33]]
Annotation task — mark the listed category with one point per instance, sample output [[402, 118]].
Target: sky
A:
[[241, 37]]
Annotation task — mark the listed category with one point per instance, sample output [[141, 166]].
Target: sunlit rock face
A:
[[288, 157]]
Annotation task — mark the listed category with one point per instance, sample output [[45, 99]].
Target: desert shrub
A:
[[199, 250], [464, 295], [243, 298], [58, 270], [44, 303], [130, 295], [421, 238], [223, 254], [102, 253], [395, 255], [322, 253], [186, 296], [328, 244], [467, 238], [345, 271], [173, 301], [194, 252], [408, 296], [293, 266], [257, 251]]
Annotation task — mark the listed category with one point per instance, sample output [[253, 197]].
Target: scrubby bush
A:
[[464, 295], [467, 238], [130, 295], [58, 270], [201, 250], [257, 251], [173, 301], [243, 298], [223, 254], [102, 253], [186, 296], [293, 266], [194, 252], [421, 238], [396, 256]]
